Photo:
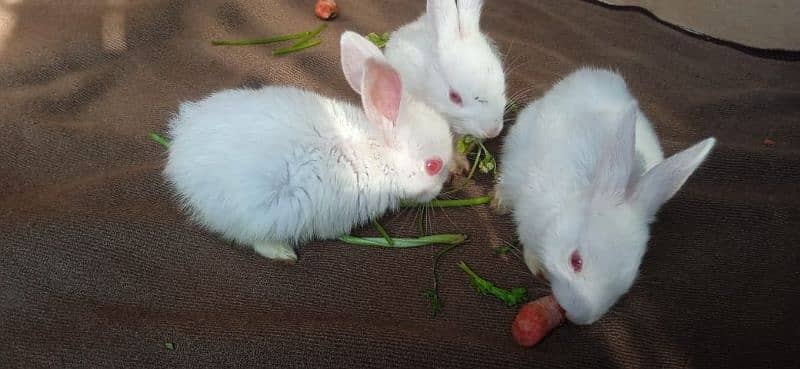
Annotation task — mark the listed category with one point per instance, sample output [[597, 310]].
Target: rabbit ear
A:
[[355, 51], [661, 182], [616, 163], [469, 16], [382, 91], [444, 17]]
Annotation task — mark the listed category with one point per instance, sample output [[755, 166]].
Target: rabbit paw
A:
[[498, 206], [276, 250], [459, 164]]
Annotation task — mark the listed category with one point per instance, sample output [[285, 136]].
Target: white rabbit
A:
[[583, 173], [275, 167], [445, 59]]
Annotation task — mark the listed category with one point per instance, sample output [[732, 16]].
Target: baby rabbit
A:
[[275, 167], [584, 175], [445, 59]]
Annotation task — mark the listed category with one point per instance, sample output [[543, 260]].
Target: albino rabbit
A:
[[584, 175], [274, 167], [445, 59]]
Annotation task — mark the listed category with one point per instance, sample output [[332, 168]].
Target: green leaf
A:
[[169, 346], [465, 144], [461, 146], [158, 139], [516, 296], [379, 40], [488, 163]]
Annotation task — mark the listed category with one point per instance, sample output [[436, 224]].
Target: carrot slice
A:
[[326, 9], [536, 319]]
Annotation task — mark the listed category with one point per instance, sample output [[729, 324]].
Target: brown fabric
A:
[[766, 24], [98, 268]]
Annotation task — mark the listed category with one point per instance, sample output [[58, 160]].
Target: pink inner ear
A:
[[385, 91]]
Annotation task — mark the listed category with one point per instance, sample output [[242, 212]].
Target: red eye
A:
[[456, 98], [433, 166], [576, 261]]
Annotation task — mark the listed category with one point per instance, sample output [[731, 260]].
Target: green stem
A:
[[421, 222], [434, 292], [158, 139], [466, 269], [383, 232], [471, 171], [480, 200], [461, 202], [403, 243], [480, 143], [292, 49], [474, 166], [260, 41], [310, 35]]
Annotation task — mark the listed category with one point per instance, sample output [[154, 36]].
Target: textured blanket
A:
[[99, 267]]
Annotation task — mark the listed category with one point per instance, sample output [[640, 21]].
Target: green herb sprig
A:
[[379, 40], [514, 297], [484, 158]]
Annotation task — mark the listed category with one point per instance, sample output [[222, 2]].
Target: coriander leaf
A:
[[465, 144], [514, 297], [379, 40], [461, 146]]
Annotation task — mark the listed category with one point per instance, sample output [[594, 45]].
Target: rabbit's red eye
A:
[[433, 166], [576, 261], [456, 98]]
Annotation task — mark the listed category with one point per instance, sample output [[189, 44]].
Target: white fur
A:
[[572, 173], [278, 166], [443, 49]]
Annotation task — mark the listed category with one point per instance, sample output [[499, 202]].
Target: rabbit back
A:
[[266, 164]]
